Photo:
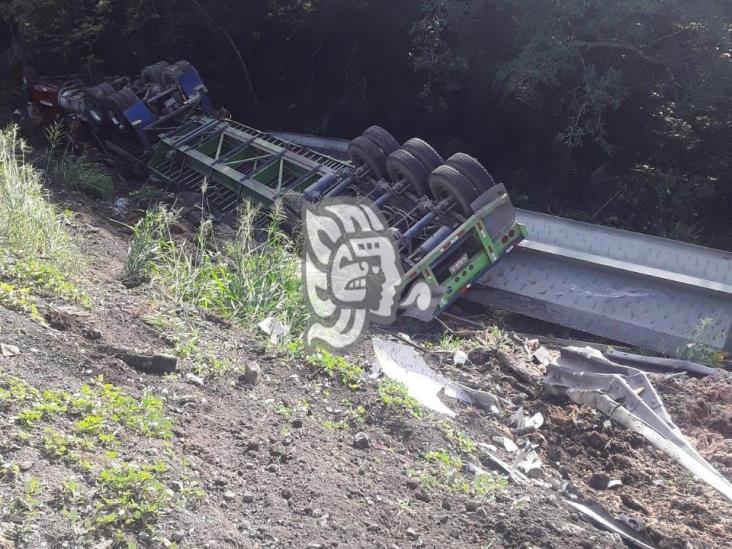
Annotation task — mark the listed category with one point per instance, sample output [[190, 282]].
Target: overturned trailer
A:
[[450, 220], [646, 291]]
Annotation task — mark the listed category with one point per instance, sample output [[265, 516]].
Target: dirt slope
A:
[[277, 464]]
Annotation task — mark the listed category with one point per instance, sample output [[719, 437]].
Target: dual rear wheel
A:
[[417, 164]]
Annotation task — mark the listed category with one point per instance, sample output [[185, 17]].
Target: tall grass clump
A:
[[81, 174], [30, 226], [36, 250], [248, 279], [72, 171], [150, 241]]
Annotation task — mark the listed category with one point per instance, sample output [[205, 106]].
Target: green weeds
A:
[[698, 351], [30, 226], [129, 495], [338, 368], [22, 279], [36, 247], [245, 280], [444, 471], [90, 430], [151, 239], [394, 396], [462, 441], [81, 174]]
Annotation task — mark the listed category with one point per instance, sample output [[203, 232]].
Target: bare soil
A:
[[273, 470]]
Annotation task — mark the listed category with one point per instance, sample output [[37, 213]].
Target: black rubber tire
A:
[[473, 170], [129, 96], [93, 109], [184, 65], [364, 152], [424, 153], [402, 164], [170, 76], [100, 91], [446, 181], [383, 139], [116, 105], [153, 74]]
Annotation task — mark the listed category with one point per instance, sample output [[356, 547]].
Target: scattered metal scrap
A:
[[626, 395], [600, 517], [657, 364], [403, 364]]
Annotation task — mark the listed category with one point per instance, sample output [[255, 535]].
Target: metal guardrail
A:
[[646, 291]]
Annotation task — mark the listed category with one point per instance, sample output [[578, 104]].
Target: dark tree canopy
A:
[[614, 112]]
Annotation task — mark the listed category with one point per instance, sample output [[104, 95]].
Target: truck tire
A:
[[100, 91], [402, 164], [170, 76], [129, 96], [383, 139], [473, 171], [424, 153], [116, 105], [184, 65], [153, 74], [447, 182], [364, 152], [93, 109]]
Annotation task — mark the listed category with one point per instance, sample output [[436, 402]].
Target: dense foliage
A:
[[616, 112]]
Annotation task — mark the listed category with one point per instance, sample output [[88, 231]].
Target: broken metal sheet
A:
[[543, 356], [528, 462], [516, 476], [601, 518], [9, 350], [274, 328], [403, 364], [657, 364], [626, 395], [521, 422], [459, 358]]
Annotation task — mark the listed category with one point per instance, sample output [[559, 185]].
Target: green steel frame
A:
[[242, 161], [238, 162]]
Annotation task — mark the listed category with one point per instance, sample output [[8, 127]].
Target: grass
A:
[[150, 240], [450, 342], [444, 471], [81, 174], [75, 172], [37, 249], [355, 418], [394, 396], [698, 351], [92, 431], [30, 226], [462, 441], [244, 280], [338, 368]]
